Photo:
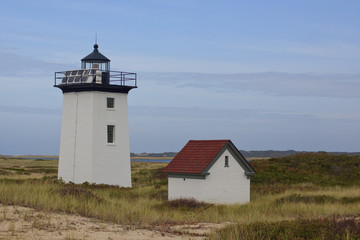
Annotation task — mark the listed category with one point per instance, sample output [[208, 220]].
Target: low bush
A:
[[334, 228], [316, 199], [275, 175], [76, 191], [297, 198], [185, 204]]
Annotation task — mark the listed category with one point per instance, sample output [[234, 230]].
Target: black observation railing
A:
[[94, 76], [123, 78]]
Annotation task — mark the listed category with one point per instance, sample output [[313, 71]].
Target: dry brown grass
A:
[[146, 203]]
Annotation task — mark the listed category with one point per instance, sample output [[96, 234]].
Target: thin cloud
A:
[[268, 83], [194, 113], [29, 110], [341, 50], [13, 65]]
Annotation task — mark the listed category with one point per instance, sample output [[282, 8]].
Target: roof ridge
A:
[[217, 140]]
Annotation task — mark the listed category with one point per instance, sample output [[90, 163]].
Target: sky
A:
[[269, 75]]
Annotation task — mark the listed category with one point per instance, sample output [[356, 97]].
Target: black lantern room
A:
[[95, 75], [96, 60]]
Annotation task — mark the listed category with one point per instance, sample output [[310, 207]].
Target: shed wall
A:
[[223, 185]]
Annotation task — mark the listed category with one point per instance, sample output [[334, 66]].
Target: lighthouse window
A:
[[226, 161], [110, 102], [110, 133]]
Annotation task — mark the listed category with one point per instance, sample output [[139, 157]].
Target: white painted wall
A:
[[225, 185], [85, 155]]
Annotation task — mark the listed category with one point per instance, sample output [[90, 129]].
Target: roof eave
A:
[[187, 175]]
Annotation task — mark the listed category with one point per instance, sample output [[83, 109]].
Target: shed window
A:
[[110, 133], [110, 102], [226, 161]]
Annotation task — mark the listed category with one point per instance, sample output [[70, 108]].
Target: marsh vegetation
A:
[[305, 196]]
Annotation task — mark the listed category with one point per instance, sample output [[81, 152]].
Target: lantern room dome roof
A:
[[95, 56]]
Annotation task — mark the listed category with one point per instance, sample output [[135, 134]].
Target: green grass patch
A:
[[317, 199], [42, 170], [4, 172], [331, 228], [275, 175]]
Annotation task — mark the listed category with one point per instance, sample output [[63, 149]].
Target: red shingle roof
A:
[[195, 156]]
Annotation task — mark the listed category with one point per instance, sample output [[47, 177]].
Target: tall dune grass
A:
[[146, 203], [144, 206], [323, 228]]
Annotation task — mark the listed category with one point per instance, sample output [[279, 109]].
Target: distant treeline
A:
[[246, 154], [276, 154], [164, 154]]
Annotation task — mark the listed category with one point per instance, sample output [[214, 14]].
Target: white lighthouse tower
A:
[[94, 145]]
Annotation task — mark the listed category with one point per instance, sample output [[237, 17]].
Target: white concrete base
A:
[[85, 155]]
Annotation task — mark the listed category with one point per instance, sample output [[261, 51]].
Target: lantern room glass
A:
[[103, 66]]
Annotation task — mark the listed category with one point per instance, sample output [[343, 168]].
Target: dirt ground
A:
[[26, 223]]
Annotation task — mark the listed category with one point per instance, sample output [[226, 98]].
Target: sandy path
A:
[[26, 223]]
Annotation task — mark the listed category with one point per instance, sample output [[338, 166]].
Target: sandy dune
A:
[[26, 223]]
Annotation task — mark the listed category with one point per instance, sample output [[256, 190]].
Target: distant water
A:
[[133, 160], [40, 158], [151, 160]]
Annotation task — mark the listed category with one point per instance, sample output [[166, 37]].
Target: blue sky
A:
[[269, 75]]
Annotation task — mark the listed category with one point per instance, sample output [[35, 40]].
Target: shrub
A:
[[298, 229], [185, 203], [316, 199], [320, 168], [78, 191], [297, 198]]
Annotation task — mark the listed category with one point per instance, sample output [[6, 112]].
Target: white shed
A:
[[211, 171]]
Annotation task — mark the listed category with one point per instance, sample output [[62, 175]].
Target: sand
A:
[[18, 222]]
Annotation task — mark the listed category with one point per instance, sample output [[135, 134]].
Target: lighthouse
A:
[[94, 144]]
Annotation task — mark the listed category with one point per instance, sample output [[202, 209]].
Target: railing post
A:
[[122, 79]]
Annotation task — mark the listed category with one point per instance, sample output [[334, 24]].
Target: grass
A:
[[27, 168], [297, 229], [321, 169], [281, 197]]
